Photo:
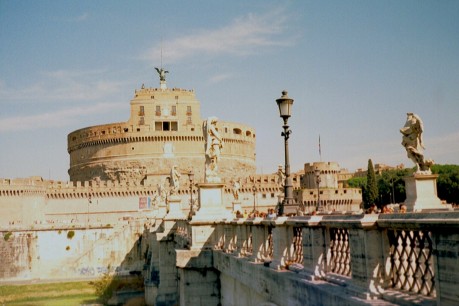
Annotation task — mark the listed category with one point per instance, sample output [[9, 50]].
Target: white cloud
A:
[[58, 118], [62, 85], [82, 17], [244, 36], [219, 78]]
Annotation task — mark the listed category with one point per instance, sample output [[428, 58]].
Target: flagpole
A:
[[320, 150]]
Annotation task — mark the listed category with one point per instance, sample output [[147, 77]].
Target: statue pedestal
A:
[[421, 192], [211, 203], [175, 209]]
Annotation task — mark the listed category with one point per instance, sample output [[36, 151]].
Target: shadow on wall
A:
[[125, 286]]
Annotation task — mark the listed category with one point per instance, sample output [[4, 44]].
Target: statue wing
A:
[[419, 126]]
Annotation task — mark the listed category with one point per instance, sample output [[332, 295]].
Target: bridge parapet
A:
[[400, 258]]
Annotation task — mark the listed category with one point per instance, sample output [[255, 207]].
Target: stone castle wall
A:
[[34, 202], [332, 194], [328, 174]]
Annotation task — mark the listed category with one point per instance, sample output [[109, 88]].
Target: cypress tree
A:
[[371, 190]]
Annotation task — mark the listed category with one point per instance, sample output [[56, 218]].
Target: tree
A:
[[370, 193], [447, 182], [357, 182], [391, 186]]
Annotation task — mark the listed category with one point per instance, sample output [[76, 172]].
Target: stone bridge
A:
[[345, 259]]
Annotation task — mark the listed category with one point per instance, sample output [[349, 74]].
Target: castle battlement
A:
[[265, 183], [151, 90]]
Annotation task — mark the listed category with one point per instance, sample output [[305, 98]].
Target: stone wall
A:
[[132, 156], [18, 253], [71, 253]]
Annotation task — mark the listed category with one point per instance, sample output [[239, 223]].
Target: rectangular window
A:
[[188, 110], [174, 110], [142, 111], [158, 110], [141, 121], [174, 126], [188, 120], [158, 126], [166, 126]]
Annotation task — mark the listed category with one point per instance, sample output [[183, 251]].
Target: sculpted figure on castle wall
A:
[[214, 145], [174, 180], [162, 192], [155, 199], [413, 143], [236, 185], [280, 177]]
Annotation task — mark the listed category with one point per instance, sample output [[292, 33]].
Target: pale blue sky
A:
[[354, 69]]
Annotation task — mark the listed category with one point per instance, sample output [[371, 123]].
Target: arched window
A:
[[237, 131]]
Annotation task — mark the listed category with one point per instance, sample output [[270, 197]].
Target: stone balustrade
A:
[[399, 258]]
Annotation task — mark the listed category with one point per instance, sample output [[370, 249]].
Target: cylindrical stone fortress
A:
[[164, 129]]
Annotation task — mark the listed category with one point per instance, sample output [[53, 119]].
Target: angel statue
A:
[[280, 177], [236, 185], [412, 141], [174, 180], [162, 73], [214, 144]]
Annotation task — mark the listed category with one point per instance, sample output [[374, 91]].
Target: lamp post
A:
[[318, 180], [285, 108], [254, 190], [191, 179], [87, 215], [393, 191]]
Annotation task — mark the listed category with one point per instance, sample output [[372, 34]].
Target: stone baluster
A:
[[282, 243], [258, 243], [314, 248], [366, 245], [229, 237], [242, 239]]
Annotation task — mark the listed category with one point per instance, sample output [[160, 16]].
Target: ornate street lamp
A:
[[318, 180], [191, 179], [285, 110]]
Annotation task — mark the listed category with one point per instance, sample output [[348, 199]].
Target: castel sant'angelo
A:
[[165, 128]]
